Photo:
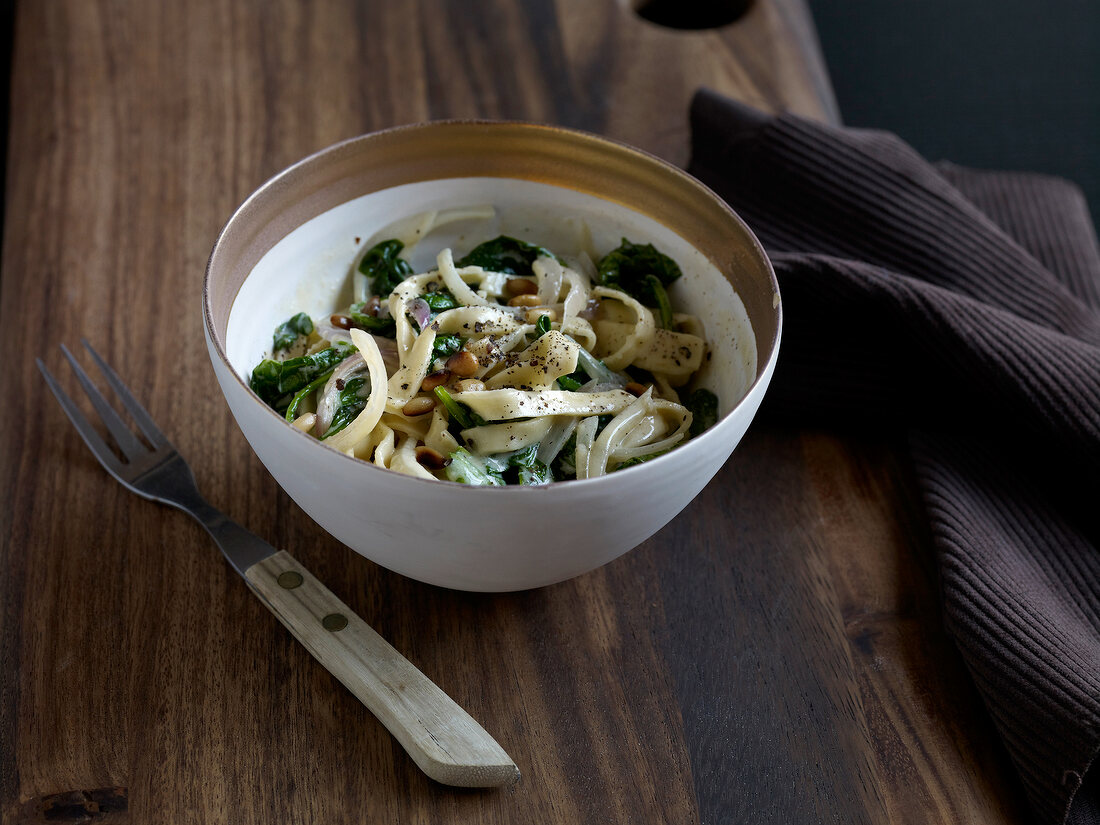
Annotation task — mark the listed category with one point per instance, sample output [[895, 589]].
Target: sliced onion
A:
[[388, 349], [361, 427], [586, 434], [326, 405], [598, 371], [555, 439], [600, 451], [420, 311], [591, 309], [548, 273], [599, 386]]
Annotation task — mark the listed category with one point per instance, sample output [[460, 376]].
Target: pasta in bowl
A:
[[510, 365], [572, 430]]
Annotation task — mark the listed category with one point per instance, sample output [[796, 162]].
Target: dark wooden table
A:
[[773, 655]]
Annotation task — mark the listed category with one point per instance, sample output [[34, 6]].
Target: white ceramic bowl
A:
[[290, 246]]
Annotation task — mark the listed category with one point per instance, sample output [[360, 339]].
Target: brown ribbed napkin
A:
[[964, 307]]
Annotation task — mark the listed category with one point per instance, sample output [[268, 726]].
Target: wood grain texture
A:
[[773, 655]]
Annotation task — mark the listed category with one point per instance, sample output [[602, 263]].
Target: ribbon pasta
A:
[[491, 365]]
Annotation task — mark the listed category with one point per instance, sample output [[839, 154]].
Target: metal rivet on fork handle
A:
[[289, 579], [334, 621]]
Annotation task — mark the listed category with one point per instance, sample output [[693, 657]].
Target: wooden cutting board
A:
[[773, 655]]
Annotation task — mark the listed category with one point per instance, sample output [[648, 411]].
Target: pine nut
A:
[[341, 321], [432, 381], [533, 315], [419, 405], [524, 300], [463, 364], [469, 385], [430, 459], [634, 388], [520, 286]]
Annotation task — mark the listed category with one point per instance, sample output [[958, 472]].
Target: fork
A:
[[442, 739]]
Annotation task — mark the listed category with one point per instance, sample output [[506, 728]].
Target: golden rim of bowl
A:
[[500, 149]]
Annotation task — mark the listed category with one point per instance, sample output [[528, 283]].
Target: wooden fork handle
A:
[[444, 740]]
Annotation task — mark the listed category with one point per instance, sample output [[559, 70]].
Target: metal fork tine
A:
[[131, 447], [138, 412], [95, 443]]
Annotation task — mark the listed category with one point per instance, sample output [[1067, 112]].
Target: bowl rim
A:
[[261, 192]]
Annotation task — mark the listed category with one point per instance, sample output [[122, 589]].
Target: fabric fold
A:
[[963, 307]]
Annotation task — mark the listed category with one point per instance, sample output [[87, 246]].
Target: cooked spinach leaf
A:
[[664, 306], [466, 469], [350, 402], [569, 382], [497, 463], [460, 413], [289, 330], [564, 464], [627, 266], [375, 324], [445, 346], [519, 467], [303, 393], [440, 300], [542, 326], [276, 382], [383, 266], [529, 470], [505, 254], [703, 405]]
